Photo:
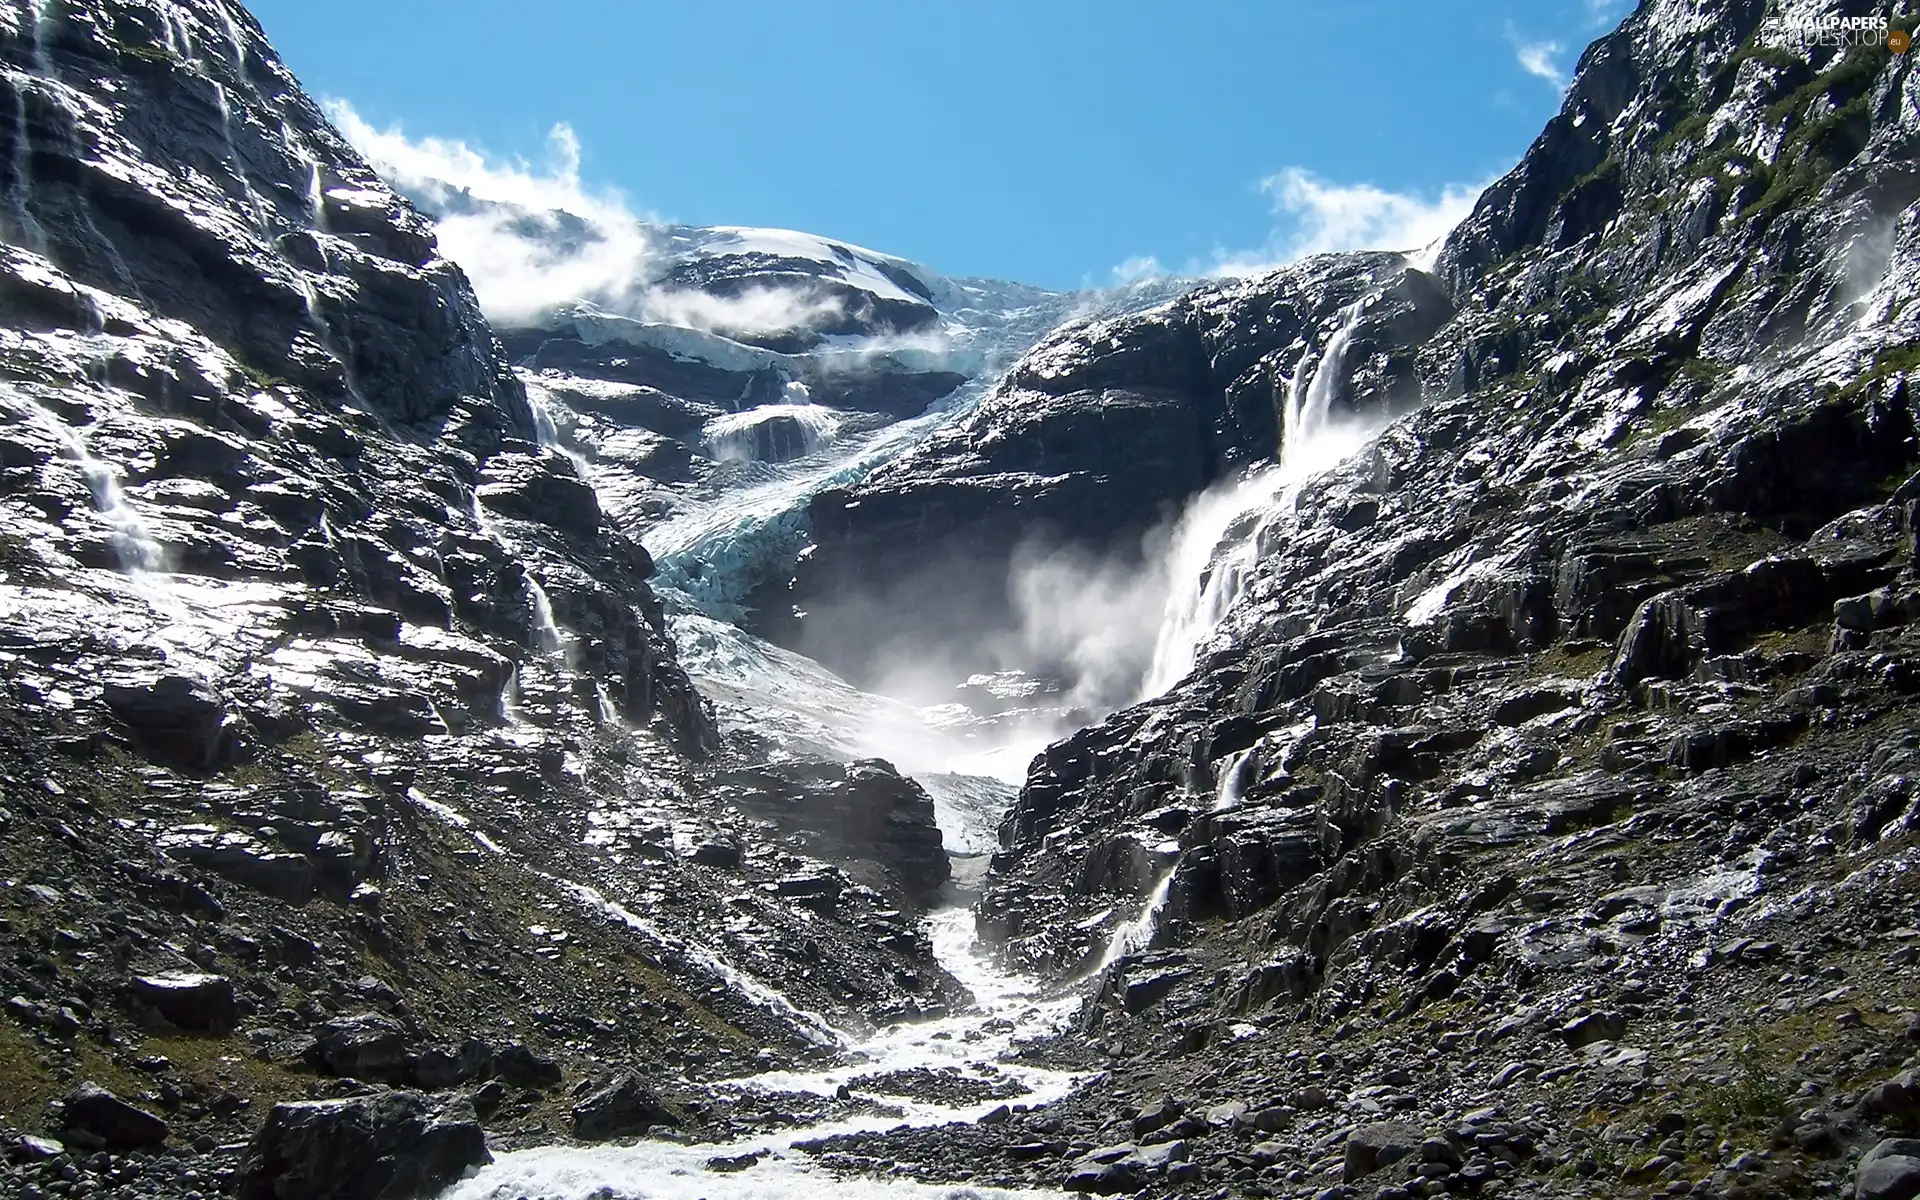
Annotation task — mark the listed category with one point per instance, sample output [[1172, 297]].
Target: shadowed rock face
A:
[[864, 815]]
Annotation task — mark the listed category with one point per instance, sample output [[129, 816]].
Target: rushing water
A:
[[1007, 1009], [134, 544]]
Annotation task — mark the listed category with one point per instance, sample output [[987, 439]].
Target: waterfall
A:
[[1216, 545], [133, 544], [255, 205], [32, 234], [546, 633], [1307, 408], [510, 698], [771, 433], [547, 433], [1137, 934], [235, 39], [316, 191], [1230, 782]]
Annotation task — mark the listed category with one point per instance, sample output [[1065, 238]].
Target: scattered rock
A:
[[1380, 1144]]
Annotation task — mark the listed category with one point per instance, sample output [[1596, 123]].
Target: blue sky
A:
[[1057, 142]]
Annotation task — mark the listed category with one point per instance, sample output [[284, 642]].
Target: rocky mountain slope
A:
[[1541, 815], [1523, 805], [344, 744]]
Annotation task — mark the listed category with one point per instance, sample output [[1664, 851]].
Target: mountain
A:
[[1538, 803], [344, 738], [1459, 707]]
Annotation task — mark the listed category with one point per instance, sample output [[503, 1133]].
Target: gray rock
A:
[[389, 1146], [1371, 1147], [191, 1000], [367, 1046], [438, 1067], [520, 1066], [95, 1116], [1889, 1171], [179, 719], [1143, 993], [1102, 1179], [1891, 1098], [621, 1108], [1594, 1027]]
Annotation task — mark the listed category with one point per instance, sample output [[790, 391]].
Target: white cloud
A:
[[1537, 59], [1319, 216], [533, 237], [754, 310], [1600, 12], [1137, 268], [518, 245]]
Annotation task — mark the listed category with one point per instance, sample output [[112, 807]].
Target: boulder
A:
[[1102, 1179], [543, 489], [444, 1067], [191, 1000], [177, 719], [94, 1116], [1380, 1144], [1143, 993], [623, 1107], [1889, 1171], [1594, 1027], [520, 1066], [387, 1146], [365, 1046], [864, 815], [243, 858]]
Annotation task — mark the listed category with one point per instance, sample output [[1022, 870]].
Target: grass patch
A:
[[1754, 1095], [141, 52], [262, 380], [27, 1083], [1887, 362], [1576, 664]]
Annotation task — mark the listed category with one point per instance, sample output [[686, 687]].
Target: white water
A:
[[706, 556], [547, 433], [1217, 543], [546, 633], [739, 437], [1008, 1009], [709, 553], [1230, 782], [32, 235], [133, 543], [1137, 934]]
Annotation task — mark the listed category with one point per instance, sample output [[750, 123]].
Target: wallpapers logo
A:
[[1804, 33], [1844, 33]]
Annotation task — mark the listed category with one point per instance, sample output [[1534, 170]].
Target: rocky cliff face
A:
[[333, 702], [1555, 756], [1098, 436]]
